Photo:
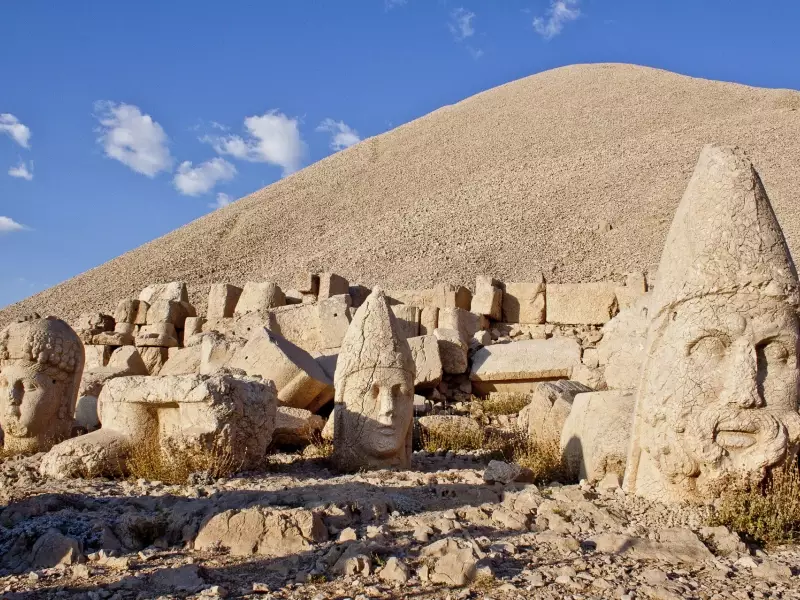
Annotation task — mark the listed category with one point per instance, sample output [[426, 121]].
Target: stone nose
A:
[[15, 393], [741, 377], [385, 403]]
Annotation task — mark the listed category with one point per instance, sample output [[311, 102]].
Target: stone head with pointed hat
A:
[[718, 394], [374, 383], [41, 363]]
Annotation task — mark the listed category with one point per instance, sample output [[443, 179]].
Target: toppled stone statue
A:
[[719, 388], [41, 361], [374, 383]]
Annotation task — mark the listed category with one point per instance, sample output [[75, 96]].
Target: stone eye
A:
[[773, 351], [30, 386], [709, 346], [376, 389]]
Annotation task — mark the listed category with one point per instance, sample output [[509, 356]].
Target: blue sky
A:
[[120, 121]]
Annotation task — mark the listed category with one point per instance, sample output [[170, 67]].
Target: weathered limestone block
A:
[[298, 323], [131, 311], [374, 391], [192, 326], [222, 299], [160, 335], [259, 297], [635, 286], [418, 298], [425, 352], [262, 530], [333, 315], [581, 303], [307, 283], [621, 351], [597, 432], [41, 362], [331, 284], [550, 405], [241, 326], [174, 290], [126, 329], [217, 350], [463, 321], [182, 361], [123, 362], [96, 356], [452, 296], [94, 323], [407, 320], [519, 366], [153, 357], [298, 378], [488, 298], [113, 338], [524, 302], [222, 412], [428, 320], [453, 350], [169, 311], [296, 426], [718, 392]]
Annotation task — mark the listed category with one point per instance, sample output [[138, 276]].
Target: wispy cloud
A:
[[390, 4], [460, 24], [9, 225], [194, 181], [559, 13], [271, 138], [10, 125], [133, 138], [342, 135], [22, 170], [223, 199]]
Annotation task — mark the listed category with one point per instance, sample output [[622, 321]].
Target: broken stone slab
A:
[[153, 357], [307, 283], [126, 328], [295, 426], [222, 413], [463, 321], [550, 405], [428, 320], [519, 366], [259, 297], [90, 324], [635, 286], [452, 296], [333, 315], [241, 326], [453, 350], [418, 298], [123, 361], [331, 284], [96, 356], [169, 311], [597, 432], [407, 320], [182, 361], [113, 338], [192, 326], [425, 351], [131, 311], [581, 303], [222, 299], [159, 335], [524, 302], [217, 350], [488, 298], [261, 530], [174, 290], [297, 376], [674, 545], [621, 351], [298, 323]]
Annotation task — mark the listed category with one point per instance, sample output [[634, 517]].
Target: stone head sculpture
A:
[[718, 393], [374, 384], [41, 363]]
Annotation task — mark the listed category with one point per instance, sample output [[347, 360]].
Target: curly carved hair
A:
[[48, 342]]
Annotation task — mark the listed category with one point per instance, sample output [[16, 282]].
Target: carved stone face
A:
[[30, 401], [378, 409], [720, 392]]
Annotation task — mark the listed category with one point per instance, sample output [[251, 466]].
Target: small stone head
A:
[[374, 383], [41, 363], [719, 389]]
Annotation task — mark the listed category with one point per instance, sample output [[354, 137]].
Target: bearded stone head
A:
[[719, 388]]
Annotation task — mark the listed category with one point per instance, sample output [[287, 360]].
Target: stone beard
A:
[[375, 415], [41, 362]]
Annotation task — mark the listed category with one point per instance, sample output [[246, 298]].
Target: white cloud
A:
[[223, 199], [272, 138], [193, 181], [133, 138], [19, 133], [475, 52], [22, 171], [342, 135], [7, 225], [461, 24], [390, 4], [559, 13]]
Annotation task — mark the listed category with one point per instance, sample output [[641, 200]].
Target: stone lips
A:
[[551, 155]]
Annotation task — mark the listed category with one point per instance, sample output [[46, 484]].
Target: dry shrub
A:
[[452, 437], [765, 511], [178, 461], [502, 403], [319, 447]]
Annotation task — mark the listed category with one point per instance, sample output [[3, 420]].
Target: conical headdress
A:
[[372, 340], [724, 237]]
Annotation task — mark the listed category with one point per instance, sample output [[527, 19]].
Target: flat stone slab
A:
[[528, 360]]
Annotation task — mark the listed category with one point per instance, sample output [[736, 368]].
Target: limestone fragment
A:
[[463, 321], [428, 320], [259, 297], [158, 335], [182, 361], [524, 302], [331, 284], [581, 303], [296, 426], [488, 298], [425, 352], [333, 314], [174, 290], [217, 350], [222, 299], [131, 311], [550, 405], [453, 350], [407, 320]]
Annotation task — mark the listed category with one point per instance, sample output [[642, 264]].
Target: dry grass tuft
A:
[[179, 461], [318, 448], [452, 437], [764, 511], [502, 403]]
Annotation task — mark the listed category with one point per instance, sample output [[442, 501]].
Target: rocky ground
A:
[[300, 531]]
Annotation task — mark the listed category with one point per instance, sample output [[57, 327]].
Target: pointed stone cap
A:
[[373, 340], [724, 237]]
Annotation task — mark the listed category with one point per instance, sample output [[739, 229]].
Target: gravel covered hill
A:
[[514, 180]]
